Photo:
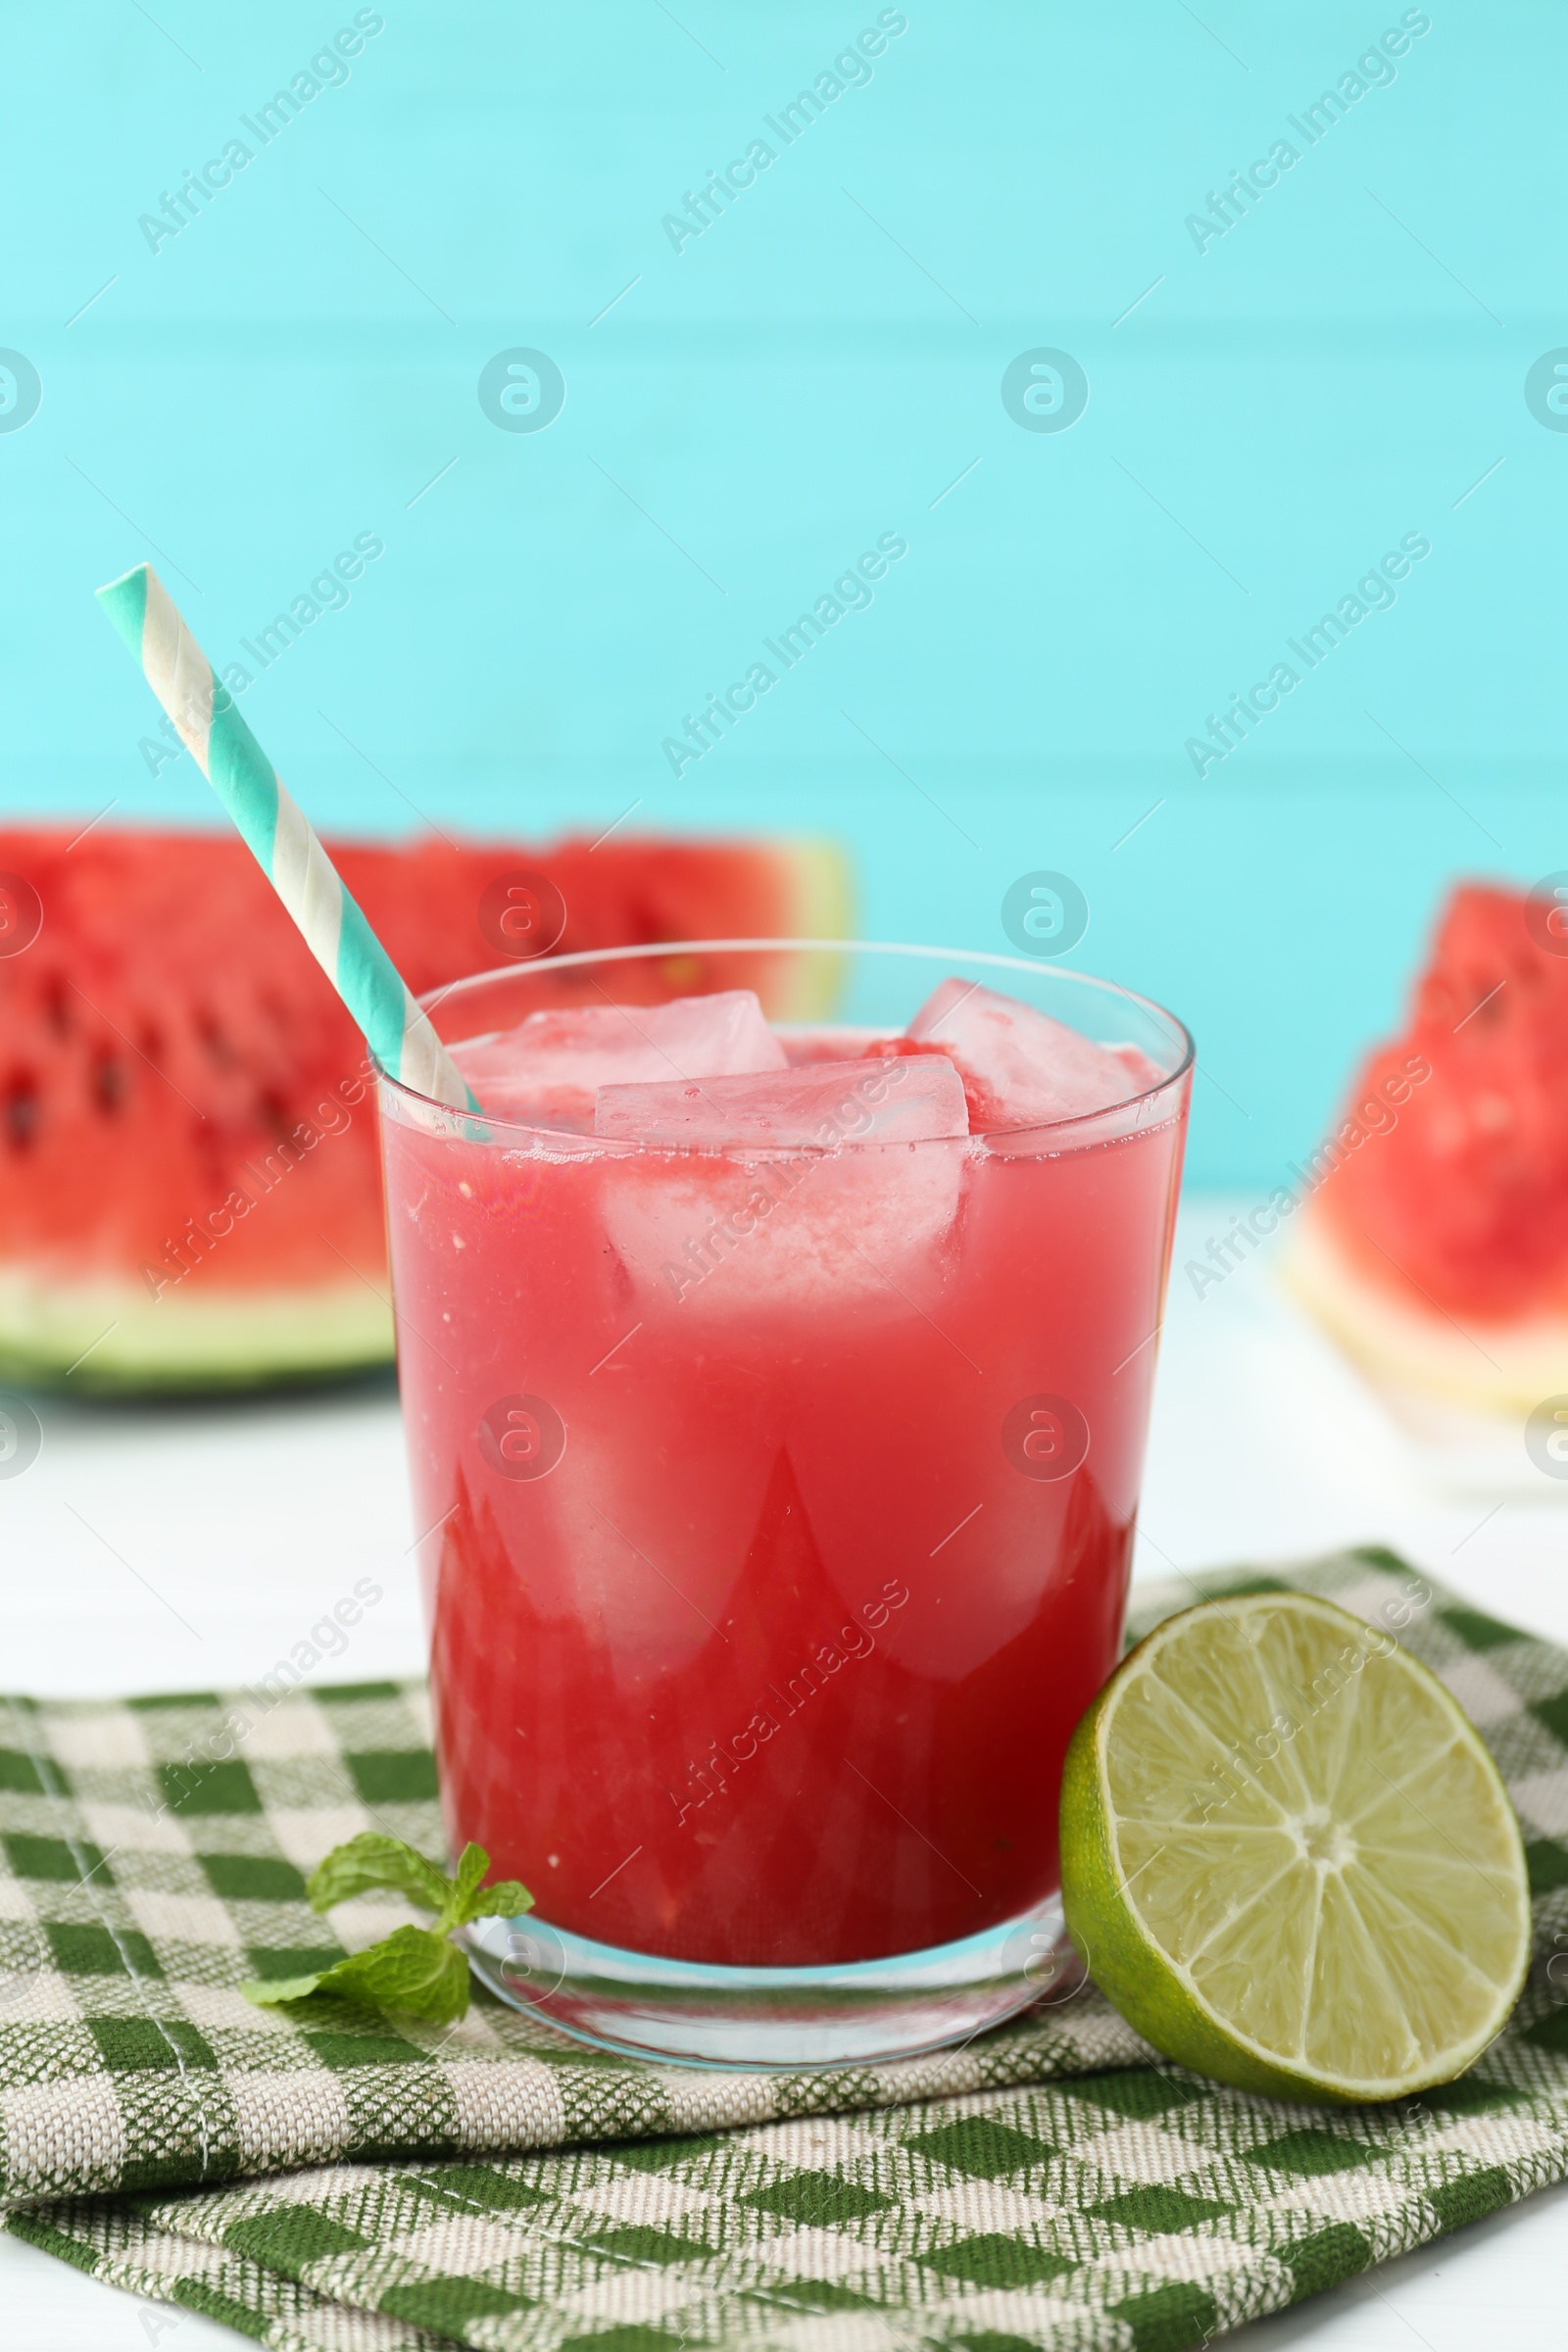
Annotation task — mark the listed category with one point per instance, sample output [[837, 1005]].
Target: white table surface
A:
[[153, 1548]]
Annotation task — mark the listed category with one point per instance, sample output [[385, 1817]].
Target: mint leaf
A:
[[459, 1889], [466, 1899], [370, 1861], [503, 1899], [268, 1993], [413, 1969]]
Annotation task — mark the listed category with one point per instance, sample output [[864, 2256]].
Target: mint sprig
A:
[[418, 1970]]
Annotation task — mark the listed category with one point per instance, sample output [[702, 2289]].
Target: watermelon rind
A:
[[822, 908], [1491, 1367], [112, 1338]]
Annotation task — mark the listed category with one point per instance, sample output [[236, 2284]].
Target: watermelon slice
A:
[[1436, 1247], [189, 1166]]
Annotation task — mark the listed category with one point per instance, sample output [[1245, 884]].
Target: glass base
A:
[[688, 2013]]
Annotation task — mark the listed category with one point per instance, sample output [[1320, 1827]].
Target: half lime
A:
[[1289, 1859]]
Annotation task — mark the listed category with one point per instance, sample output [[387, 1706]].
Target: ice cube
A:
[[1020, 1067], [757, 1226], [825, 1103], [806, 1041], [803, 1234], [552, 1063]]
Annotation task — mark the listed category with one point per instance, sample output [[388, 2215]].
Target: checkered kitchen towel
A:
[[1051, 2185]]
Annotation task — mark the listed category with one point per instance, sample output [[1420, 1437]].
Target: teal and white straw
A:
[[281, 838]]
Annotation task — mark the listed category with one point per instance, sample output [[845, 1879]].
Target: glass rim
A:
[[618, 1147]]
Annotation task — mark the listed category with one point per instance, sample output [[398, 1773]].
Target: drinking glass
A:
[[779, 1506]]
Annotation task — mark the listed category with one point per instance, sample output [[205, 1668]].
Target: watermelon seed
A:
[[274, 1113], [57, 1007], [22, 1112], [221, 1052], [109, 1083]]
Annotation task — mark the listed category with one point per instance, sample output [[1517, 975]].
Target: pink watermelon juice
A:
[[781, 1437]]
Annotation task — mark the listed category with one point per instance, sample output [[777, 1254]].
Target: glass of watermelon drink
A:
[[776, 1397]]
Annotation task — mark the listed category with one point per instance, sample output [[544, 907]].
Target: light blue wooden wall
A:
[[813, 371]]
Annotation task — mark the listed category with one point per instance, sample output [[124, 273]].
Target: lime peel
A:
[[1287, 1858]]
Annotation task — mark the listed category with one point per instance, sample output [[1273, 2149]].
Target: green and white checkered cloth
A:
[[1051, 2184]]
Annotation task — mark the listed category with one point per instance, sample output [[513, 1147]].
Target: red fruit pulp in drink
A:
[[761, 1615]]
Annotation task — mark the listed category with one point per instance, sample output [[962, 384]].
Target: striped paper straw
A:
[[281, 838]]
